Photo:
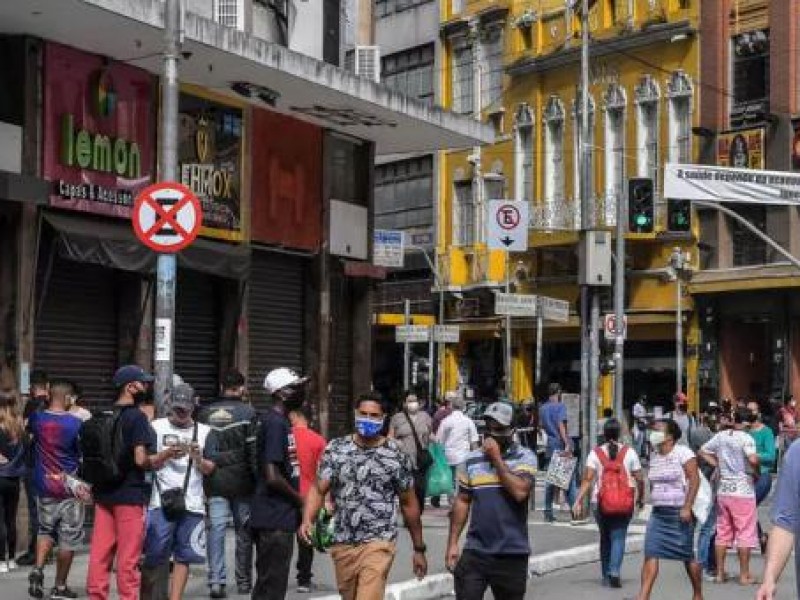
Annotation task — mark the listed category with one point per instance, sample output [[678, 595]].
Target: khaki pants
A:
[[362, 569]]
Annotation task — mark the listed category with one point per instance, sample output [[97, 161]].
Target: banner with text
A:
[[722, 184]]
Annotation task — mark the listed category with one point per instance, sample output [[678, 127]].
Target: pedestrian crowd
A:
[[162, 490]]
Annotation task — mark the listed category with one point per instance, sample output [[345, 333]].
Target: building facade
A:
[[516, 66]]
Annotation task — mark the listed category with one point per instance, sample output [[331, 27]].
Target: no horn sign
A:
[[167, 217]]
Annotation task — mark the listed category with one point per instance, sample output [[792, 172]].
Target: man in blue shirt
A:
[[785, 535], [494, 483], [553, 419]]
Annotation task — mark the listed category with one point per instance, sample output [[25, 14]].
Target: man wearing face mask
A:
[[276, 504], [494, 483], [412, 429], [366, 474]]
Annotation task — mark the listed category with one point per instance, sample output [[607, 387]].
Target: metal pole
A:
[[508, 332], [594, 369], [406, 348], [166, 269], [619, 308], [679, 330], [440, 348], [539, 337], [430, 365], [587, 346]]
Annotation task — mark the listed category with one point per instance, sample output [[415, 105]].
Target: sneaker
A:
[[217, 591], [36, 583], [614, 581], [62, 593], [4, 567], [305, 588]]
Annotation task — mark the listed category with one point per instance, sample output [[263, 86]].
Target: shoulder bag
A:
[[424, 458], [173, 500]]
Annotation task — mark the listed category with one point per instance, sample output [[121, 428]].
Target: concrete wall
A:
[[408, 28]]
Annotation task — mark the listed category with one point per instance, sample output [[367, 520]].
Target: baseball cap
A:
[[182, 396], [280, 378], [129, 374], [502, 412]]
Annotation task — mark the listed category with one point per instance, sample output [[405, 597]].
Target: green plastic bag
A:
[[440, 477]]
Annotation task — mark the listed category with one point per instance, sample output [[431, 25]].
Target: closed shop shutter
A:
[[276, 307], [197, 332], [76, 328], [341, 396]]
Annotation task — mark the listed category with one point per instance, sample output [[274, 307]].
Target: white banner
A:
[[723, 184]]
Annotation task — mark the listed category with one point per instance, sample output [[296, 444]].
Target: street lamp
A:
[[679, 270]]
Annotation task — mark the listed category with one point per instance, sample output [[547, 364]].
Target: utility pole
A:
[[619, 306], [678, 264], [166, 269], [508, 331], [406, 347]]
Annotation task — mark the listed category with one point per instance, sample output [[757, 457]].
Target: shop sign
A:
[[98, 131], [741, 149], [210, 155]]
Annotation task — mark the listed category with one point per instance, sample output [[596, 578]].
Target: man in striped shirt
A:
[[495, 483]]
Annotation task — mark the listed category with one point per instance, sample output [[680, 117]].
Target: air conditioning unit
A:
[[368, 62], [230, 13]]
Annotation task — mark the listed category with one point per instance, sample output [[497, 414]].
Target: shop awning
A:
[[114, 245], [217, 57]]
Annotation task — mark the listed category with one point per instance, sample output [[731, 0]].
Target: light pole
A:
[[679, 264]]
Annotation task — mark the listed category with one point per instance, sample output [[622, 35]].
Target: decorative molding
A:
[[553, 110], [647, 90], [679, 85], [615, 98]]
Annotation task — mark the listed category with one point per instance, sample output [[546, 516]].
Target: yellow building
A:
[[516, 64]]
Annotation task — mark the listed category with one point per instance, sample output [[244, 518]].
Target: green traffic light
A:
[[642, 220]]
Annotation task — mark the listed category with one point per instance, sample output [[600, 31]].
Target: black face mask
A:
[[143, 396], [503, 439]]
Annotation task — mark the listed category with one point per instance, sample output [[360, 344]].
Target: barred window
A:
[[404, 194], [410, 72], [463, 76], [648, 97], [523, 154], [492, 67], [680, 92], [464, 223]]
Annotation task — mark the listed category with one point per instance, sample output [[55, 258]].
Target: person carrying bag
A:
[[173, 500]]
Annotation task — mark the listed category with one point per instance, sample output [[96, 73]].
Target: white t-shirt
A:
[[457, 433], [732, 449], [630, 463], [173, 473]]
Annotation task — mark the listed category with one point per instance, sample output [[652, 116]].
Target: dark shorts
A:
[[62, 521], [184, 539]]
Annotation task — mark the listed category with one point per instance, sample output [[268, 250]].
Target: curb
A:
[[441, 584]]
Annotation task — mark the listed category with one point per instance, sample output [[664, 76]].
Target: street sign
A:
[[413, 334], [388, 248], [610, 328], [446, 334], [553, 309], [166, 217], [515, 305], [507, 224]]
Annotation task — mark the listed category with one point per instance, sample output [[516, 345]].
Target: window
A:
[[230, 13], [410, 72], [462, 75], [464, 222], [747, 248], [492, 67], [615, 104], [523, 154], [385, 8], [750, 57], [404, 194], [680, 92], [576, 119], [648, 96], [553, 156]]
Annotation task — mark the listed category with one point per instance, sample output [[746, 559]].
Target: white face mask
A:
[[412, 407], [657, 437]]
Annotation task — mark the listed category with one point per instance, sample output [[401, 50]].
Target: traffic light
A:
[[640, 205], [679, 215]]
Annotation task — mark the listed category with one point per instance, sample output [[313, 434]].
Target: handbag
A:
[[173, 500], [424, 458]]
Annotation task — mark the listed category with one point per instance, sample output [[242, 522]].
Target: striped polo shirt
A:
[[498, 524]]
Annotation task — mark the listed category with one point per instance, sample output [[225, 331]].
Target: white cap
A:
[[280, 378]]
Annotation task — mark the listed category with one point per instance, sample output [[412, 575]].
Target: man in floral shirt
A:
[[366, 475]]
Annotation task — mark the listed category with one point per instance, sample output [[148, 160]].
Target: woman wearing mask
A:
[[613, 527], [412, 427], [674, 481], [12, 467]]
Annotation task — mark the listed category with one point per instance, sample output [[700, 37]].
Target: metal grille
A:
[[197, 332], [463, 77], [275, 320], [228, 13], [76, 330]]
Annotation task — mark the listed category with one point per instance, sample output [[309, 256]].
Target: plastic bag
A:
[[560, 470], [440, 477], [703, 501]]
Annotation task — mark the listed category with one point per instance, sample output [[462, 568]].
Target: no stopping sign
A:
[[167, 217]]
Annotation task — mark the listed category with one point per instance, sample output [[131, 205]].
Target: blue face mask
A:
[[368, 427]]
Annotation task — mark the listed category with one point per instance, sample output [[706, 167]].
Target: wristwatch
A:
[[421, 549]]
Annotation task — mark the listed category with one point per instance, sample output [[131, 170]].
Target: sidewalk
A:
[[554, 547]]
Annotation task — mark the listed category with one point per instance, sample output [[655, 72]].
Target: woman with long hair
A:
[[612, 523], [12, 467]]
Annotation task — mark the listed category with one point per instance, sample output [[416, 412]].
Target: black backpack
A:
[[101, 445]]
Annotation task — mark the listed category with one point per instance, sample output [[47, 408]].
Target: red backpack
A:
[[615, 496]]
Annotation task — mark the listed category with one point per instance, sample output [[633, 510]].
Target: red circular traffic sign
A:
[[167, 216], [507, 216]]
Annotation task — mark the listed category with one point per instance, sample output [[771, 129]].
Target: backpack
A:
[[101, 444], [615, 496]]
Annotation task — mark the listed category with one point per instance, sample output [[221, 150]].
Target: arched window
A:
[[615, 101], [680, 93], [523, 153], [648, 96], [553, 119]]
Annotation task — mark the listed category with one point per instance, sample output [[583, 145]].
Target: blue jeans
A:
[[763, 487], [549, 489], [218, 511], [705, 541], [613, 531]]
